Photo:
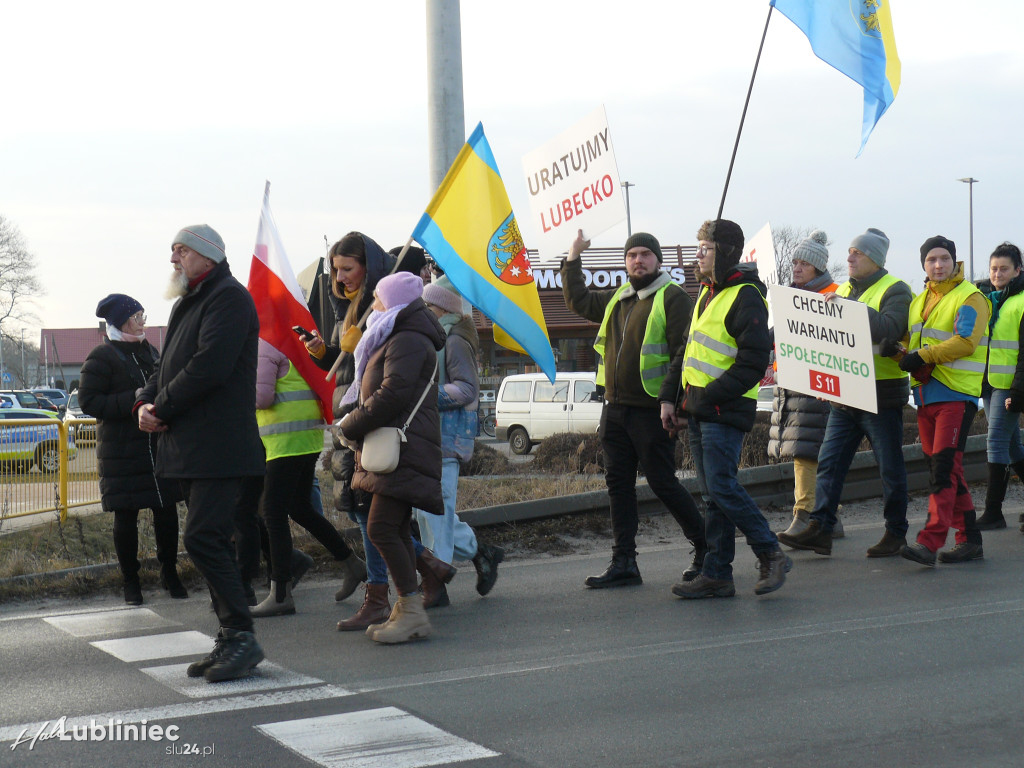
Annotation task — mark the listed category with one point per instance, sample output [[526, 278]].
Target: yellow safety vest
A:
[[710, 350], [885, 367], [294, 424], [963, 375], [1004, 344], [654, 352]]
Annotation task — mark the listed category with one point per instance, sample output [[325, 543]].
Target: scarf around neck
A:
[[379, 326]]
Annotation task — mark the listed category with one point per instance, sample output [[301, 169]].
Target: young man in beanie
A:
[[643, 323], [724, 361], [202, 402], [888, 302], [798, 420], [446, 537], [946, 361]]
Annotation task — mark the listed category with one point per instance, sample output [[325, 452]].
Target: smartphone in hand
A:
[[302, 332]]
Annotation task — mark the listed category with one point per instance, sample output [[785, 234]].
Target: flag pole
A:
[[362, 320], [743, 116]]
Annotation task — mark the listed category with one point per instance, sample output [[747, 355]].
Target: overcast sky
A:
[[124, 121]]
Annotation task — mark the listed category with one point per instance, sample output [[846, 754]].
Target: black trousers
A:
[[208, 529], [286, 494], [248, 527], [631, 438], [126, 537]]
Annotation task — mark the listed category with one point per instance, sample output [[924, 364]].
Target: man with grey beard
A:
[[202, 402]]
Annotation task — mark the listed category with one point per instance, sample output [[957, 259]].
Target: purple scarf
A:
[[379, 326]]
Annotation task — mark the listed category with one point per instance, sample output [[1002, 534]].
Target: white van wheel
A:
[[519, 441]]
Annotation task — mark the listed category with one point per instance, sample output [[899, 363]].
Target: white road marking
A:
[[372, 738], [146, 647], [266, 676], [109, 622], [188, 709]]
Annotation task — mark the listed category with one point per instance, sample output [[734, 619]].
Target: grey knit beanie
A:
[[874, 244], [204, 240], [443, 294], [643, 240], [813, 250]]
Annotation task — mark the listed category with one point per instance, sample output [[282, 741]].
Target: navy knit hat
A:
[[204, 240], [874, 244], [937, 242], [643, 240], [117, 308]]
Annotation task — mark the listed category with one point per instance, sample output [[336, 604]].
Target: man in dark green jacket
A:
[[643, 324]]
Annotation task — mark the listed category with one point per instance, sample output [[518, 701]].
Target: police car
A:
[[37, 444]]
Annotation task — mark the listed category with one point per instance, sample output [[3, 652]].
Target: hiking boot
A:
[[888, 546], [375, 609], [170, 581], [486, 564], [961, 553], [240, 655], [278, 603], [300, 564], [837, 529], [801, 517], [197, 668], [408, 621], [132, 590], [812, 538], [699, 551], [702, 586], [621, 572], [919, 553], [353, 573], [773, 571]]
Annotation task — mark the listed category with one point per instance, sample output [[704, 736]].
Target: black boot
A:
[[486, 564], [992, 519], [239, 654], [621, 572], [700, 550], [132, 589]]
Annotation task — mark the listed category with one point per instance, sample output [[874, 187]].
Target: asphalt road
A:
[[853, 662]]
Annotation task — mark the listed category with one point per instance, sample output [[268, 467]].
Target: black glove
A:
[[912, 361], [888, 347]]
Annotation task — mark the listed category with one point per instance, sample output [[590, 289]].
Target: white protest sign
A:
[[574, 184], [761, 250], [823, 348]]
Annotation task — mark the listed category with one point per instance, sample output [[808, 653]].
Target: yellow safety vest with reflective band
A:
[[885, 367], [654, 352], [710, 350], [963, 375], [1004, 344], [294, 424]]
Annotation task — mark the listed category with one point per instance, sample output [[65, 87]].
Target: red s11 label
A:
[[825, 383]]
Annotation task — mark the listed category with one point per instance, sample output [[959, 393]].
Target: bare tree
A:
[[18, 286], [785, 239]]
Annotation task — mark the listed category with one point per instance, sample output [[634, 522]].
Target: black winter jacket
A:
[[722, 401], [395, 376], [112, 374], [205, 385]]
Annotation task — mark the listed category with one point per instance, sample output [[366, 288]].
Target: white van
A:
[[530, 408]]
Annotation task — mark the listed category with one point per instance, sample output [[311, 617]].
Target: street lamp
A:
[[970, 181], [629, 222]]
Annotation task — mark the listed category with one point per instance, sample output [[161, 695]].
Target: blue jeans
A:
[[1004, 446], [716, 454], [845, 429], [376, 568], [446, 535]]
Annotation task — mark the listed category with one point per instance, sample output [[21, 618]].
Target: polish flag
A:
[[280, 305]]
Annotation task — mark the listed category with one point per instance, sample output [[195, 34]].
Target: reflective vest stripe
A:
[[710, 350], [291, 397], [291, 426], [707, 341]]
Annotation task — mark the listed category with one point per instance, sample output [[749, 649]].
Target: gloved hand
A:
[[888, 347], [912, 361]]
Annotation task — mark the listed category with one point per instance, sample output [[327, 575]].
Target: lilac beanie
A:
[[398, 289]]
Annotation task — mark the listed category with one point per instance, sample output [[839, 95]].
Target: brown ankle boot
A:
[[375, 610], [436, 574]]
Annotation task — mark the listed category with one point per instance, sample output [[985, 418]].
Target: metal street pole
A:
[[629, 221], [24, 371], [970, 181]]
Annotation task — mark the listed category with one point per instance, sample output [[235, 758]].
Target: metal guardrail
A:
[[43, 470], [771, 484]]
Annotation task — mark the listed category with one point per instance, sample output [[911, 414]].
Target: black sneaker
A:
[[486, 564], [240, 654], [197, 668], [961, 553], [621, 572]]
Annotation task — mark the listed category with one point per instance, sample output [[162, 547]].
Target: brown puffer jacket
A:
[[395, 377]]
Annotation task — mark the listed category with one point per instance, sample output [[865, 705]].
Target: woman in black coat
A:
[[113, 372], [396, 360]]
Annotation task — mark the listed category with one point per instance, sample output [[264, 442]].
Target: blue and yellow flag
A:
[[855, 37], [470, 230]]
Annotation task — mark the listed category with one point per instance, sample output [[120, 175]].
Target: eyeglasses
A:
[[139, 317], [704, 250]]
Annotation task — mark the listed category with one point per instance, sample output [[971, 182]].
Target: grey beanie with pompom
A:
[[813, 250]]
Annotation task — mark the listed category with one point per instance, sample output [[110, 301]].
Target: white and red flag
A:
[[280, 305]]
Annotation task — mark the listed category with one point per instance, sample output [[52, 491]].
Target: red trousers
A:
[[944, 428]]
